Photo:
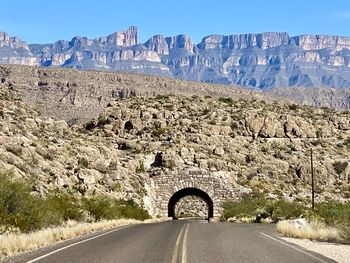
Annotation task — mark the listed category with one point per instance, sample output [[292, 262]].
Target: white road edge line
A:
[[184, 245], [77, 243], [177, 245], [295, 248]]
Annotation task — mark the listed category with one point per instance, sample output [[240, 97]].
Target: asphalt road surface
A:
[[179, 241]]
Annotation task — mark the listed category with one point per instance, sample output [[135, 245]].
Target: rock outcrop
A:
[[15, 51]]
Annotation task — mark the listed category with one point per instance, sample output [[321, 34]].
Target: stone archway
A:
[[164, 190], [188, 192]]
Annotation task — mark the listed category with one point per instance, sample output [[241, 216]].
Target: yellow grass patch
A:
[[315, 231], [11, 244]]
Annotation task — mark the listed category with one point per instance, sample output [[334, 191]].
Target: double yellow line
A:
[[181, 245]]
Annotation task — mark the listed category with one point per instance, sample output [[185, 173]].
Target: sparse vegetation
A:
[[16, 242], [21, 210], [258, 207], [330, 221]]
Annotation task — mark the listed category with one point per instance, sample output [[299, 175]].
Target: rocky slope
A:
[[261, 61], [262, 146], [78, 96]]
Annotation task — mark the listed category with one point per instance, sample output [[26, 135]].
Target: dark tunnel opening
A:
[[188, 192]]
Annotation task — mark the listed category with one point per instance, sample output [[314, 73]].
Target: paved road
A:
[[182, 241]]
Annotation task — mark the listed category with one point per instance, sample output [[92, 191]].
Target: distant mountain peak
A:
[[261, 61]]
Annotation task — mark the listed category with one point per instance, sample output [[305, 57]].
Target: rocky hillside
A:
[[260, 61], [262, 146], [78, 96], [50, 155]]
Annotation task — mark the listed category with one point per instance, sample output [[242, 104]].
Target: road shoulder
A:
[[338, 252]]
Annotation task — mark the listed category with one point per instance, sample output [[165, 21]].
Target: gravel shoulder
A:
[[338, 252]]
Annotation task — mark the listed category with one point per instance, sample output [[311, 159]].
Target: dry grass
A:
[[315, 231], [11, 244]]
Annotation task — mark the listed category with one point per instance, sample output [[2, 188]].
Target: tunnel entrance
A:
[[190, 192]]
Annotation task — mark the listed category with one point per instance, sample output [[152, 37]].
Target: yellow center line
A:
[[184, 245], [177, 246]]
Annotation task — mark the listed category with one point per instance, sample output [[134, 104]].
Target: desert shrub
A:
[[102, 207], [129, 209], [258, 206], [293, 107], [18, 208], [205, 111], [83, 162], [162, 97], [339, 166], [226, 100], [158, 132], [90, 125], [63, 207], [286, 209], [99, 207], [246, 207], [22, 210], [347, 142], [16, 150], [102, 120], [234, 125], [250, 158], [141, 167], [333, 212]]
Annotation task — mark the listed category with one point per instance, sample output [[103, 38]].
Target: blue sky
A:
[[40, 21]]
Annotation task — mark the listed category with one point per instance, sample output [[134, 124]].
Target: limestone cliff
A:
[[262, 61]]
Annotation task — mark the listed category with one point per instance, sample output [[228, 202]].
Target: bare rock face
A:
[[181, 42], [317, 42], [12, 42], [126, 38], [15, 51], [158, 44], [263, 41]]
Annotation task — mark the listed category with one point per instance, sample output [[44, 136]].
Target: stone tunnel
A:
[[164, 191]]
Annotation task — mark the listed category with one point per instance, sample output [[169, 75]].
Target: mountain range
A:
[[260, 61]]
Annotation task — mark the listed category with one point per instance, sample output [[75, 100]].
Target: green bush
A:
[[102, 207], [258, 206], [334, 212], [226, 100], [63, 207], [21, 209], [247, 206], [18, 207], [286, 209], [99, 207], [129, 209]]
